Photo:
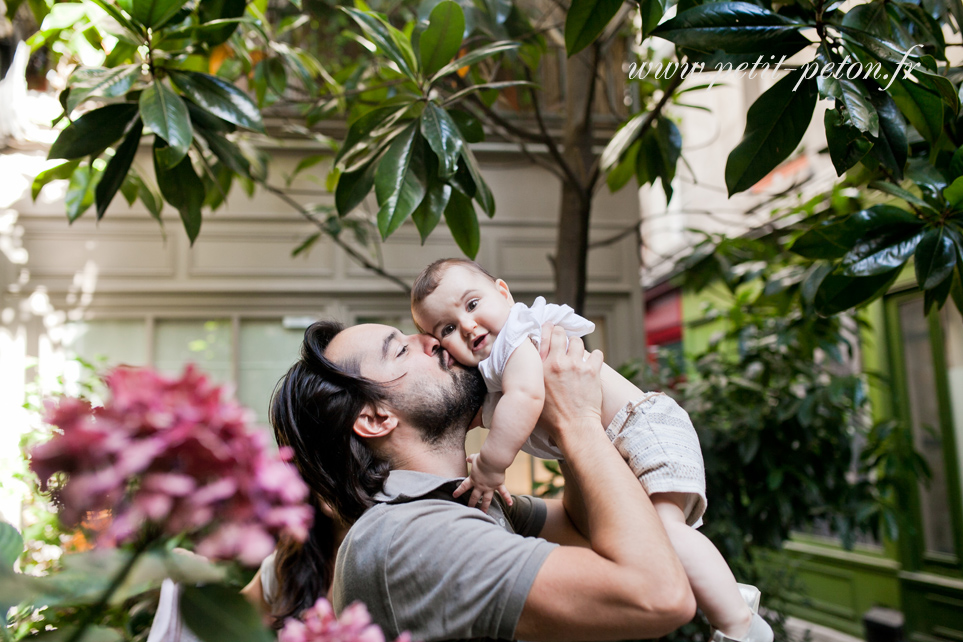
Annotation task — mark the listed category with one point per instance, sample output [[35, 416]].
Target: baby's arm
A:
[[515, 415]]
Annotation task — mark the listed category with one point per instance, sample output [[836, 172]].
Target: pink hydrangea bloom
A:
[[319, 624], [179, 454]]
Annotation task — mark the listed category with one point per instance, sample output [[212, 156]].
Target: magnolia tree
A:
[[430, 79]]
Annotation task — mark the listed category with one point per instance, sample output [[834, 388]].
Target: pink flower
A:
[[178, 454], [319, 624]]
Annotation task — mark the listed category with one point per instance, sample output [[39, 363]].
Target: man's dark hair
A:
[[430, 277]]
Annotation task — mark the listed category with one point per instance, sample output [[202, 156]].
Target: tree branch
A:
[[567, 173], [353, 253]]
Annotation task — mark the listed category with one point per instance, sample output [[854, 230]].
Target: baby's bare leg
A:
[[712, 582], [616, 392]]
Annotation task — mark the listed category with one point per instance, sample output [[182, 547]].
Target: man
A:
[[377, 421]]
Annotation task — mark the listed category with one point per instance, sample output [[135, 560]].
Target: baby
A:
[[476, 320]]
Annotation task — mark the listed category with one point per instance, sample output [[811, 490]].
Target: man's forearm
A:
[[573, 502]]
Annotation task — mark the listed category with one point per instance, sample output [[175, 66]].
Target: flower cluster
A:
[[177, 454], [319, 624]]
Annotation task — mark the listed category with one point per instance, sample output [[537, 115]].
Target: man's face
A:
[[432, 391]]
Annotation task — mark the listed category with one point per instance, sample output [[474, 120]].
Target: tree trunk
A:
[[571, 251]]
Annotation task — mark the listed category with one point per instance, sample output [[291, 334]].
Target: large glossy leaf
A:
[[441, 40], [954, 193], [482, 193], [353, 187], [651, 12], [623, 171], [182, 188], [432, 207], [922, 107], [378, 31], [854, 97], [367, 124], [219, 97], [59, 172], [80, 192], [99, 81], [463, 222], [11, 545], [470, 127], [443, 138], [166, 114], [834, 239], [93, 132], [890, 146], [623, 139], [870, 17], [152, 13], [775, 124], [880, 254], [878, 47], [116, 171], [935, 258], [847, 145], [227, 152], [733, 27], [217, 612], [585, 21], [211, 10], [473, 56], [838, 293], [670, 148], [400, 180]]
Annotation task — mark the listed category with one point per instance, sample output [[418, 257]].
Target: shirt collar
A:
[[406, 485]]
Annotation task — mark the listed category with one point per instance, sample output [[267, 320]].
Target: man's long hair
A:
[[313, 411]]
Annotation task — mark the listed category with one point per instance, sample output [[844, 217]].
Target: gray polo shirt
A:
[[425, 563]]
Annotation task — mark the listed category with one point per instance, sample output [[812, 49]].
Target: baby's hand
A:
[[483, 484]]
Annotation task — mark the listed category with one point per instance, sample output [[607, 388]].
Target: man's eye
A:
[[472, 304], [403, 351], [447, 330]]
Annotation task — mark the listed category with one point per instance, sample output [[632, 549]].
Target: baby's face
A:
[[465, 313]]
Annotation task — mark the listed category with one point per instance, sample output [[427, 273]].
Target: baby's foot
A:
[[758, 630]]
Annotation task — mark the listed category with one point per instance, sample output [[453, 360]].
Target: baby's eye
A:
[[448, 329], [472, 304]]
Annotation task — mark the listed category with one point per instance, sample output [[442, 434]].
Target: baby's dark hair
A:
[[430, 277]]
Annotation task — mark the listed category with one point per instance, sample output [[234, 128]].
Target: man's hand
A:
[[573, 387], [484, 483]]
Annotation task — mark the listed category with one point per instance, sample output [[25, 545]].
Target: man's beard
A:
[[442, 415]]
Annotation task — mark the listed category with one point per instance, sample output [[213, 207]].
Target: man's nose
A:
[[429, 344]]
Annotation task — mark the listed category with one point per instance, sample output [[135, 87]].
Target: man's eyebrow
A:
[[387, 344]]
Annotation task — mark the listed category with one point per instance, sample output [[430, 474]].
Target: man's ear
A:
[[375, 422], [502, 288]]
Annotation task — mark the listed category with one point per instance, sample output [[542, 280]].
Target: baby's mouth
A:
[[477, 343]]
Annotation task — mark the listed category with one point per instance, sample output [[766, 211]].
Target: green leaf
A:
[[363, 131], [670, 147], [353, 187], [470, 127], [956, 164], [651, 12], [486, 87], [954, 193], [182, 188], [152, 13], [429, 212], [890, 146], [838, 293], [211, 10], [775, 125], [624, 138], [11, 545], [835, 238], [956, 288], [619, 175], [80, 192], [847, 145], [935, 258], [306, 244], [880, 254], [121, 19], [61, 171], [400, 181], [98, 81], [922, 107], [473, 56], [585, 21], [93, 132], [378, 31], [219, 97], [116, 172], [870, 17], [227, 152], [463, 222], [441, 40], [937, 296], [443, 137], [217, 612], [166, 114], [482, 193], [899, 192], [136, 187], [851, 93], [733, 27]]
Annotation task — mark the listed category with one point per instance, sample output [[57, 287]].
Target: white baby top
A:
[[525, 323]]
